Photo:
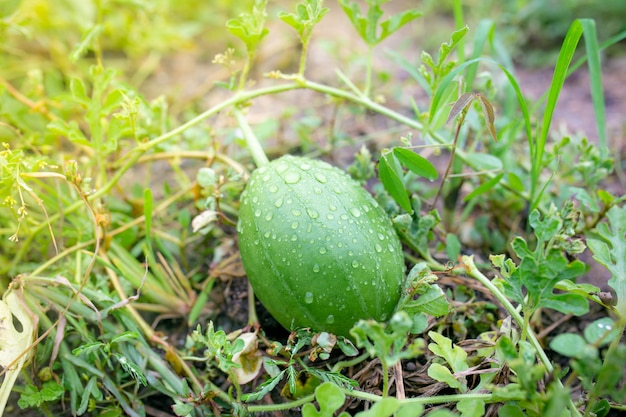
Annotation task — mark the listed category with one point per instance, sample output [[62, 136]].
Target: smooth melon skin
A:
[[317, 248]]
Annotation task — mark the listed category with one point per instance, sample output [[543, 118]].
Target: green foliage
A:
[[34, 397], [119, 194], [531, 283], [368, 25], [609, 248]]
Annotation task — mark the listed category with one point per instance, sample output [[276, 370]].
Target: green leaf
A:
[[391, 176], [416, 163], [385, 407], [601, 332], [249, 27], [122, 337], [265, 388], [575, 304], [453, 246], [396, 21], [88, 42], [484, 187], [308, 14], [410, 410], [433, 302], [367, 26], [511, 410], [77, 88], [329, 397], [483, 161], [470, 407], [440, 373], [453, 354], [387, 342], [33, 397], [569, 344], [609, 248]]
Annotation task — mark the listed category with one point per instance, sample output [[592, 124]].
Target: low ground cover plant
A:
[[440, 268]]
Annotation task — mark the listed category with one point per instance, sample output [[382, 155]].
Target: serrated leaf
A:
[[391, 175], [416, 163], [453, 354], [395, 22], [307, 15], [432, 302], [249, 27], [574, 304], [265, 388], [609, 248]]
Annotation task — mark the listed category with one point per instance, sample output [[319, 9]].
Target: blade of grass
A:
[[595, 81], [558, 79]]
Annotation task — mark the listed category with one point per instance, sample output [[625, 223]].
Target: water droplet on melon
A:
[[320, 177], [305, 167], [282, 168], [308, 297], [257, 213], [269, 216], [312, 213], [355, 264], [273, 188], [355, 211], [381, 236], [323, 250], [294, 225], [330, 319], [378, 248], [316, 268], [296, 212], [292, 177]]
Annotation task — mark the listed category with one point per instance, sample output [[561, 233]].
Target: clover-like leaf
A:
[[330, 398]]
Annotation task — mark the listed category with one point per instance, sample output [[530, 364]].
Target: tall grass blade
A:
[[558, 79], [595, 81]]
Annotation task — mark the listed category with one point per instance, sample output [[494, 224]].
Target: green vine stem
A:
[[260, 159]]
